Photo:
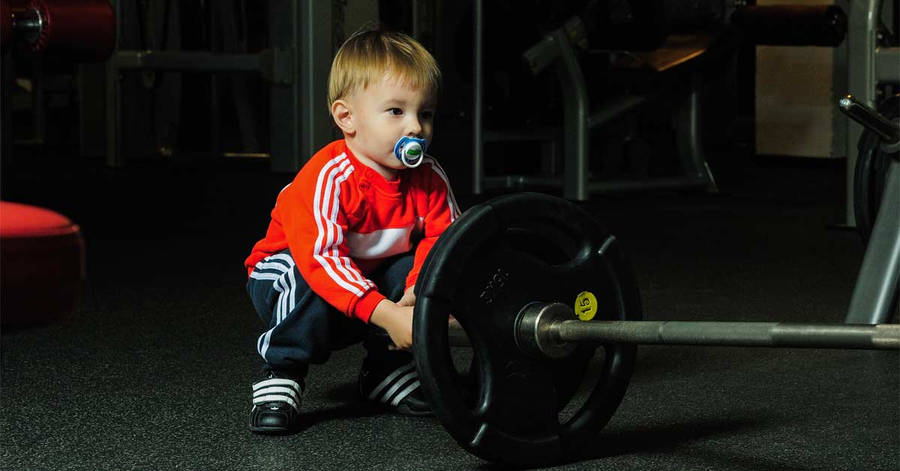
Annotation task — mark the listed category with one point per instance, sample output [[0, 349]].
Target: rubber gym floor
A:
[[153, 371]]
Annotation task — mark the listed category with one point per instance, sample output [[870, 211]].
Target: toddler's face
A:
[[383, 113]]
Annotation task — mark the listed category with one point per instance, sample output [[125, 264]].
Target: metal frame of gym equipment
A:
[[295, 65], [867, 66], [578, 121], [877, 283]]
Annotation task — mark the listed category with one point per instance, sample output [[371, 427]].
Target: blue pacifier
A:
[[410, 150]]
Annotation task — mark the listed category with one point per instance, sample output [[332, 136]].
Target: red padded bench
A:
[[41, 265]]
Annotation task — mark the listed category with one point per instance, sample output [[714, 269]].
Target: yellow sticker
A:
[[586, 305]]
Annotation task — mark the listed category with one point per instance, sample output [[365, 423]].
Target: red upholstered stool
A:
[[41, 265]]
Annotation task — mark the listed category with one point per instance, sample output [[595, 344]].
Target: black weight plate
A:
[[498, 257]]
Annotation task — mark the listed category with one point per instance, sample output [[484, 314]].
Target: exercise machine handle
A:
[[870, 119]]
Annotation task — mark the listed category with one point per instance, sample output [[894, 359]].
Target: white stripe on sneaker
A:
[[277, 390], [397, 385], [390, 378], [278, 382], [276, 398], [406, 392]]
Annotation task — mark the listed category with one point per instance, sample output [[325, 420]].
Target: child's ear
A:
[[343, 116]]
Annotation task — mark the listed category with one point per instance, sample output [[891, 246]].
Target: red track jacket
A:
[[341, 219]]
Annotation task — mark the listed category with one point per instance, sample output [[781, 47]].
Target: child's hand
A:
[[401, 332], [397, 321], [409, 297]]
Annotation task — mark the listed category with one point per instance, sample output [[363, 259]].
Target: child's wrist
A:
[[365, 306], [383, 314]]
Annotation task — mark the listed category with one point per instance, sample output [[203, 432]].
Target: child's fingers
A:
[[408, 298]]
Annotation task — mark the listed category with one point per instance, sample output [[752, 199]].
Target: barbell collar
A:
[[534, 330], [737, 334]]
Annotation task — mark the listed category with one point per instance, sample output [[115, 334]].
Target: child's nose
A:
[[415, 127]]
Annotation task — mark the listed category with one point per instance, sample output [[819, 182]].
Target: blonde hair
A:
[[369, 55]]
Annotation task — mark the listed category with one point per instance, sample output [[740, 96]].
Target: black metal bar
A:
[[188, 61], [478, 137], [870, 119], [746, 334]]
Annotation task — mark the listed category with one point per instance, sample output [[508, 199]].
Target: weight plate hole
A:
[[465, 366], [582, 390]]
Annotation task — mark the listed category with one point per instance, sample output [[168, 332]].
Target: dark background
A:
[[153, 369]]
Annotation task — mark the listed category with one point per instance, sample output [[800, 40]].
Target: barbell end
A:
[[735, 334], [887, 336]]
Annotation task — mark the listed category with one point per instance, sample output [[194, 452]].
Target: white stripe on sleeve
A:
[[325, 226], [342, 263]]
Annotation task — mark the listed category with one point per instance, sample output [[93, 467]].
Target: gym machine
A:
[[82, 31], [602, 26], [876, 292], [872, 60], [66, 32], [295, 66]]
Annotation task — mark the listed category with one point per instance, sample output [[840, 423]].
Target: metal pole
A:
[[861, 46], [114, 157], [876, 284], [741, 334], [315, 62], [478, 99], [575, 121], [688, 127]]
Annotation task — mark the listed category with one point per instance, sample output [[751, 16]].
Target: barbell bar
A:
[[737, 334], [551, 330]]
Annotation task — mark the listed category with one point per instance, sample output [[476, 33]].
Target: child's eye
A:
[[427, 114], [395, 111]]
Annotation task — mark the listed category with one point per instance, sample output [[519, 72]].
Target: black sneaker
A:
[[276, 404], [391, 381]]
